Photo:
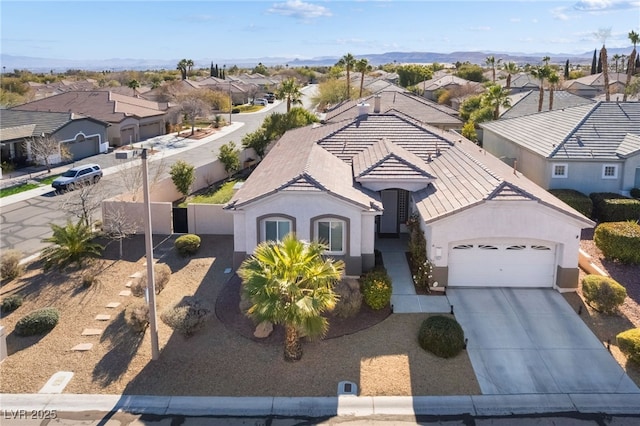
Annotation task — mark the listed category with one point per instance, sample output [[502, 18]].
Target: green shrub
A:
[[137, 316], [349, 298], [187, 316], [442, 336], [376, 288], [603, 293], [635, 193], [11, 303], [575, 199], [612, 207], [235, 111], [10, 267], [37, 322], [629, 343], [619, 241], [187, 245], [162, 275]]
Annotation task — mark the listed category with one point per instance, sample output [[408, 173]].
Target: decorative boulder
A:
[[264, 329]]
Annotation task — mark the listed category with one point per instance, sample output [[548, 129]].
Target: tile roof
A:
[[527, 102], [629, 146], [590, 131], [326, 158], [296, 163], [102, 105], [414, 106], [16, 124]]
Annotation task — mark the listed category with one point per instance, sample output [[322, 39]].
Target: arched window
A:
[[274, 228]]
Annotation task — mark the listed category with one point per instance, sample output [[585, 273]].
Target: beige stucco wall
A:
[[134, 213], [209, 219]]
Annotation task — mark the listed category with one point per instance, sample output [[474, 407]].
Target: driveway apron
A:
[[530, 341]]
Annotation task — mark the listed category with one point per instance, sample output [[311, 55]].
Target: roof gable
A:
[[508, 192], [388, 159]]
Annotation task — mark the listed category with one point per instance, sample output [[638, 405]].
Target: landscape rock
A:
[[263, 330]]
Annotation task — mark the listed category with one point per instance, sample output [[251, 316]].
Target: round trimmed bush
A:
[[162, 275], [187, 245], [376, 288], [619, 241], [442, 336], [187, 316], [603, 293], [629, 343], [137, 316], [11, 303], [37, 322], [349, 298], [635, 193], [575, 199]]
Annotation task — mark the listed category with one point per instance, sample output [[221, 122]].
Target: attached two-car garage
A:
[[502, 263]]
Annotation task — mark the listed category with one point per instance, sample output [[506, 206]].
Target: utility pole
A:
[[148, 240]]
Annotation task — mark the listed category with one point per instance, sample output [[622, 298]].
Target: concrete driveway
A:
[[530, 341]]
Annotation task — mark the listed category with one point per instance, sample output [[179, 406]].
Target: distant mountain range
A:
[[11, 62]]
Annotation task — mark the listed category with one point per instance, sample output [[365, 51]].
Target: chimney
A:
[[376, 104], [363, 110]]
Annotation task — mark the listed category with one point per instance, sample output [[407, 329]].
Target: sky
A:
[[216, 30]]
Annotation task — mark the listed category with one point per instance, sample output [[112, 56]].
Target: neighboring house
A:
[[521, 82], [591, 86], [131, 119], [44, 90], [430, 88], [352, 182], [416, 107], [82, 136], [589, 148], [525, 103]]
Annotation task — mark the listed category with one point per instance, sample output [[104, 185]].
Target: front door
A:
[[636, 182], [389, 225]]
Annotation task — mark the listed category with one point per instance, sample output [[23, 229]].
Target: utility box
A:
[[3, 343]]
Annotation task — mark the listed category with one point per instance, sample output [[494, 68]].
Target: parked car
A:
[[78, 176], [260, 101], [270, 97]]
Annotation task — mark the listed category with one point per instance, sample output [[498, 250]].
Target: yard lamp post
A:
[[148, 240]]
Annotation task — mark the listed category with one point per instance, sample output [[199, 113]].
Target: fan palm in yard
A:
[[348, 61], [495, 97], [362, 66], [71, 244], [554, 79], [290, 90], [289, 282], [511, 68], [541, 73]]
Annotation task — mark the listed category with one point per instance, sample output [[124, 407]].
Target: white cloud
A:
[[559, 13], [299, 9], [605, 5]]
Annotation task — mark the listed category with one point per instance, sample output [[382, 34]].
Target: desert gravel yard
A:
[[384, 359]]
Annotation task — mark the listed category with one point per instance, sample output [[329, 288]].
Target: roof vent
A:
[[363, 110]]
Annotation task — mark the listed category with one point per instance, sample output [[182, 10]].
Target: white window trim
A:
[[344, 234], [263, 225], [615, 171], [566, 171]]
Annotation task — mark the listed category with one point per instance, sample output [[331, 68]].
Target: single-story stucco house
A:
[[131, 119], [593, 147], [352, 182]]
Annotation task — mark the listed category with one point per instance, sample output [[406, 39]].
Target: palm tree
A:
[[348, 61], [290, 90], [189, 66], [511, 68], [541, 73], [616, 58], [553, 79], [362, 66], [72, 244], [290, 283], [133, 84], [635, 38], [182, 66], [491, 61], [495, 97]]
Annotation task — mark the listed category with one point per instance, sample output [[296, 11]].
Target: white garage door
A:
[[504, 264]]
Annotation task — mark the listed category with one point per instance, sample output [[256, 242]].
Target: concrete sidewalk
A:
[[344, 405]]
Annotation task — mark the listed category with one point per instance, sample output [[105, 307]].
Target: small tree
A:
[[119, 226], [183, 175], [86, 200], [229, 156], [72, 244], [134, 85], [45, 149], [130, 176], [257, 140], [193, 107]]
